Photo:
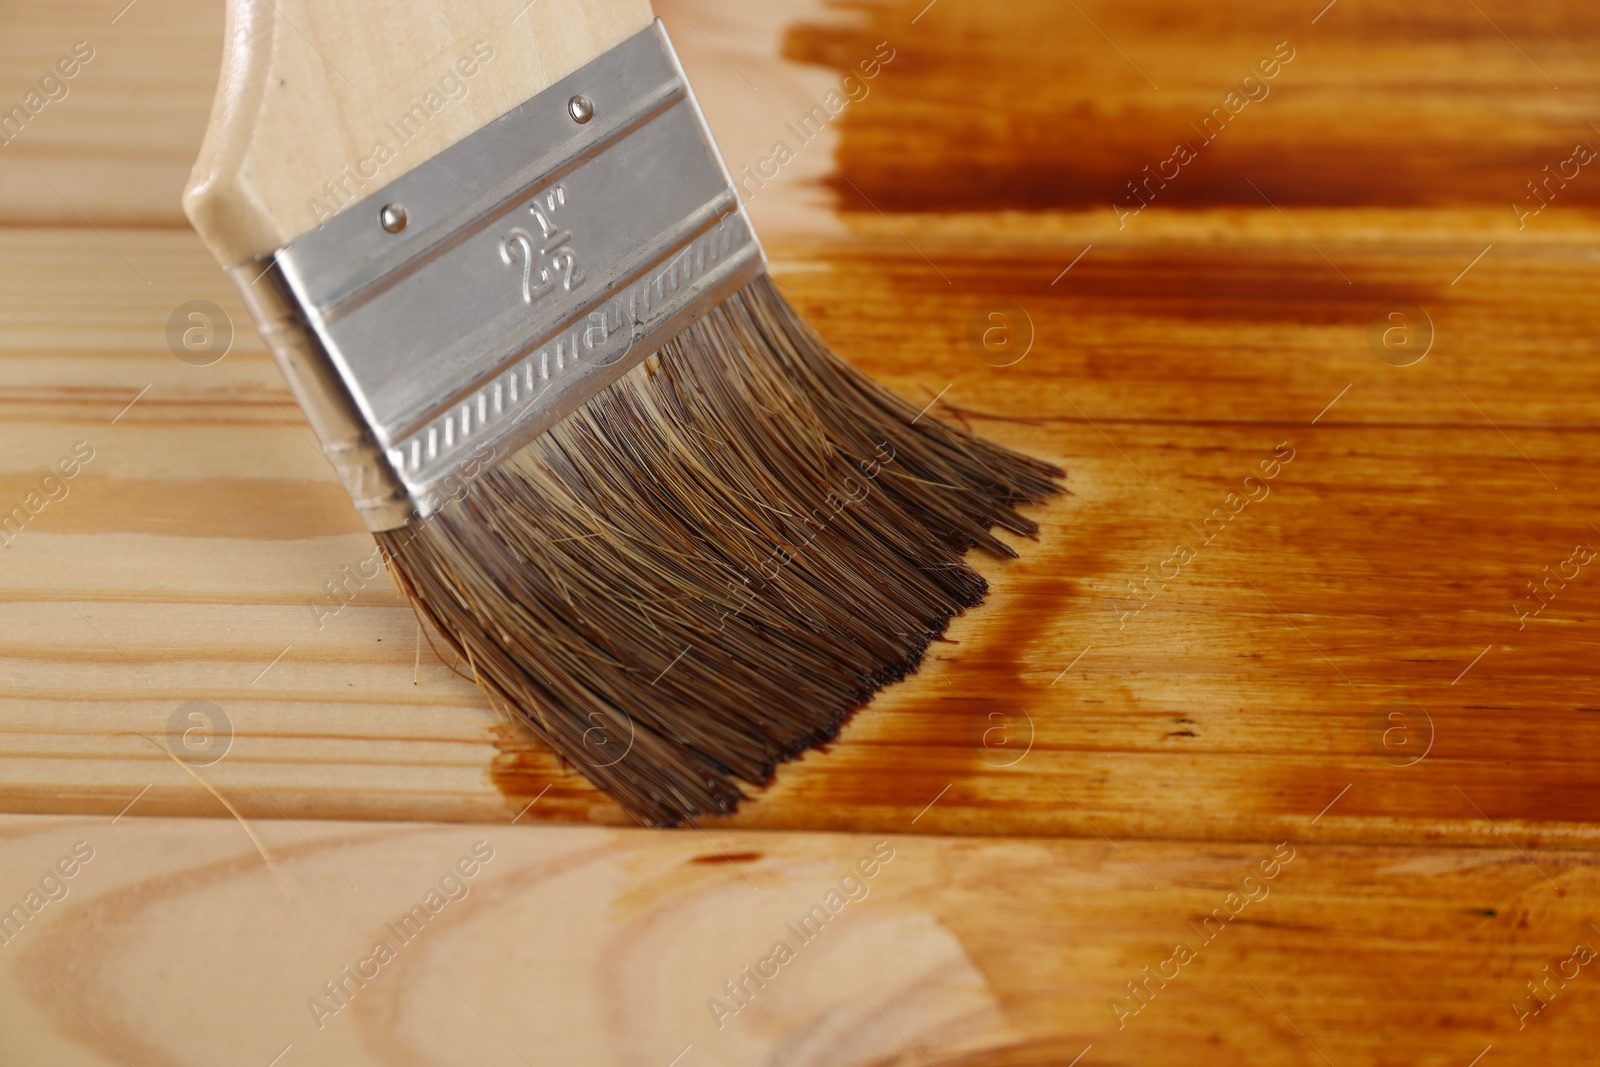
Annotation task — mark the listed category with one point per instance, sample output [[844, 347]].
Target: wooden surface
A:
[[601, 947], [192, 557], [1069, 784]]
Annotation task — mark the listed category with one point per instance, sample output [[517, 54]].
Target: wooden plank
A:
[[191, 558], [1436, 105], [1358, 104], [117, 147], [582, 945]]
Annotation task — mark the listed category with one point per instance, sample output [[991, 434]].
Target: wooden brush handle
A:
[[323, 102]]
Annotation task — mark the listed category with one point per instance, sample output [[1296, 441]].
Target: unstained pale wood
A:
[[118, 149], [177, 943]]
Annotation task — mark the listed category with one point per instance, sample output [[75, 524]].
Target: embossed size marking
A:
[[546, 259]]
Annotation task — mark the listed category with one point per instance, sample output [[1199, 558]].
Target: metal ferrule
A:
[[440, 324]]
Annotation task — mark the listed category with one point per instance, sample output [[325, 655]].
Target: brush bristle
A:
[[705, 570]]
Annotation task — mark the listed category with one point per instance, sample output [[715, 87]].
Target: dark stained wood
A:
[[1057, 106], [1384, 559]]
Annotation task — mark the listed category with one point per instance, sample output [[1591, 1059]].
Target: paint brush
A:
[[506, 274]]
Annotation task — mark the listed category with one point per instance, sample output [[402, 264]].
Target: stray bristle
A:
[[706, 569]]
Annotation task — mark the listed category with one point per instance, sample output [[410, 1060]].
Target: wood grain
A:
[[117, 148], [1116, 773], [581, 945], [1366, 104], [1388, 543], [192, 558]]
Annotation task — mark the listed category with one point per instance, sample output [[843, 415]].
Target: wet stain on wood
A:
[[727, 857], [1166, 365], [1371, 106]]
